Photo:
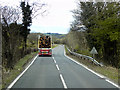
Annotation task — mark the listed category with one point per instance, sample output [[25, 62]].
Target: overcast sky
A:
[[57, 18]]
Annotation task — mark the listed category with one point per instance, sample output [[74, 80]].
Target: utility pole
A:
[[0, 37]]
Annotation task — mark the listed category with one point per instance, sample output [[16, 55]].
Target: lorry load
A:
[[44, 45]]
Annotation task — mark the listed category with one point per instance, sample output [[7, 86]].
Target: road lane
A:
[[42, 74], [75, 75], [59, 72]]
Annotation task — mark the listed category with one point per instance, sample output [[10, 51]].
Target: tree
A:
[[106, 32], [14, 34], [101, 20], [10, 28], [26, 11], [29, 12]]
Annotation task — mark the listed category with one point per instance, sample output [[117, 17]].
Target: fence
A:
[[85, 57]]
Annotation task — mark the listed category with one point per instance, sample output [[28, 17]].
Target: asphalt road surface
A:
[[59, 72]]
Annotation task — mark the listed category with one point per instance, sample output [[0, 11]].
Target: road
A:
[[59, 72]]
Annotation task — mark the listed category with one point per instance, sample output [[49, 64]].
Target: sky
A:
[[57, 19]]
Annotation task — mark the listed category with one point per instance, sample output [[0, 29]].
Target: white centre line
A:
[[57, 67], [61, 77], [54, 60], [63, 81]]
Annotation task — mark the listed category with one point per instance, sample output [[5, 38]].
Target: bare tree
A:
[[10, 32], [12, 23], [10, 15], [38, 9]]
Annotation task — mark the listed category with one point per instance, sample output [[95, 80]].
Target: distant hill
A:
[[57, 35], [32, 38], [35, 35]]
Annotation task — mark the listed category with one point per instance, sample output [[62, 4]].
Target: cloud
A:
[[58, 18]]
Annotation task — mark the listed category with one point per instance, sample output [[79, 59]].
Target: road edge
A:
[[101, 76], [21, 74]]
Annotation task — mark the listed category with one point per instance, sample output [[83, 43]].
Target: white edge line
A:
[[64, 84], [90, 70], [11, 85]]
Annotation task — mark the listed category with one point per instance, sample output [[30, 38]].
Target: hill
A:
[[57, 35], [32, 38]]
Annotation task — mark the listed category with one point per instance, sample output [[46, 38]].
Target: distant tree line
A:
[[77, 42], [101, 21]]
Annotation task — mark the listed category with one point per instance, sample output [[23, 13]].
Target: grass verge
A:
[[8, 77], [107, 71], [54, 45]]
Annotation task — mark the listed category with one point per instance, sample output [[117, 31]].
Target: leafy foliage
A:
[[101, 20]]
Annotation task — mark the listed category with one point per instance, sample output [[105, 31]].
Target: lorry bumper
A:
[[48, 54]]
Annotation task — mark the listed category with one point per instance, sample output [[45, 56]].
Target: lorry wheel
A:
[[40, 55]]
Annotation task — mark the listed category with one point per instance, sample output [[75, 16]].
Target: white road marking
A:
[[57, 67], [11, 85], [112, 83], [101, 76], [61, 77], [63, 81], [54, 60]]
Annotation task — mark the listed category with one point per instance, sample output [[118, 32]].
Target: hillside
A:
[[57, 35], [32, 38]]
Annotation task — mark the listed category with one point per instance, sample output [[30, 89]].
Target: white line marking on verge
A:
[[11, 85], [63, 81], [101, 76]]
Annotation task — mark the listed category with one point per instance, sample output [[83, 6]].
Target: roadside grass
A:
[[18, 68], [54, 45], [1, 87], [108, 71], [85, 52]]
